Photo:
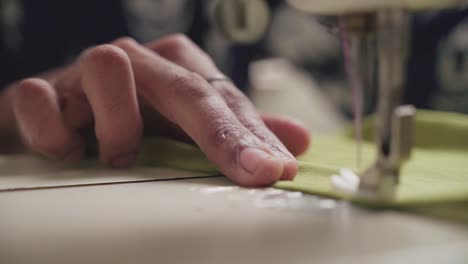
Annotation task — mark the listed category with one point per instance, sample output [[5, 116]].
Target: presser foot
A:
[[373, 184], [378, 183]]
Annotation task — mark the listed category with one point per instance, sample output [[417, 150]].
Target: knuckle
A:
[[231, 94], [178, 41], [181, 49], [124, 43], [182, 44], [30, 87], [30, 91], [225, 134], [237, 101], [257, 128], [106, 55], [178, 46], [222, 132], [189, 84]]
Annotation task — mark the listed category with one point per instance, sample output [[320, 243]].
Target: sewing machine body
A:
[[378, 33], [327, 7]]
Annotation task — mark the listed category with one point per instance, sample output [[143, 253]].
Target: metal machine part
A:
[[242, 21], [378, 40], [358, 42], [390, 29]]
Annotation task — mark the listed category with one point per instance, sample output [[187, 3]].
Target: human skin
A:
[[122, 91]]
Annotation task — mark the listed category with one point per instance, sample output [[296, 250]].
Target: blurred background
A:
[[294, 68]]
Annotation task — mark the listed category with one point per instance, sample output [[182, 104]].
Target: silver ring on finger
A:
[[218, 78]]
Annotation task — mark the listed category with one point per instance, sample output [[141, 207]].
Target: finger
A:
[[108, 82], [294, 135], [75, 106], [182, 51], [186, 99], [41, 123], [248, 116]]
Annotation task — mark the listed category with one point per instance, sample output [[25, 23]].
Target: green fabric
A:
[[434, 182]]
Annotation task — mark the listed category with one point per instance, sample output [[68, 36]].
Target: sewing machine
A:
[[375, 36]]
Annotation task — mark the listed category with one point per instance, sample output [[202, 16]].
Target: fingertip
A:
[[41, 122], [74, 156], [301, 143], [262, 169], [119, 149], [105, 55], [290, 170], [269, 171], [124, 161]]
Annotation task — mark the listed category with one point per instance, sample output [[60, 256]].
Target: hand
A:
[[125, 90]]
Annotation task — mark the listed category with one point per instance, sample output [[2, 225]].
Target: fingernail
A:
[[123, 161], [74, 156], [250, 158]]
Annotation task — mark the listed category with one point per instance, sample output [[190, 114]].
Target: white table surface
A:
[[211, 221]]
